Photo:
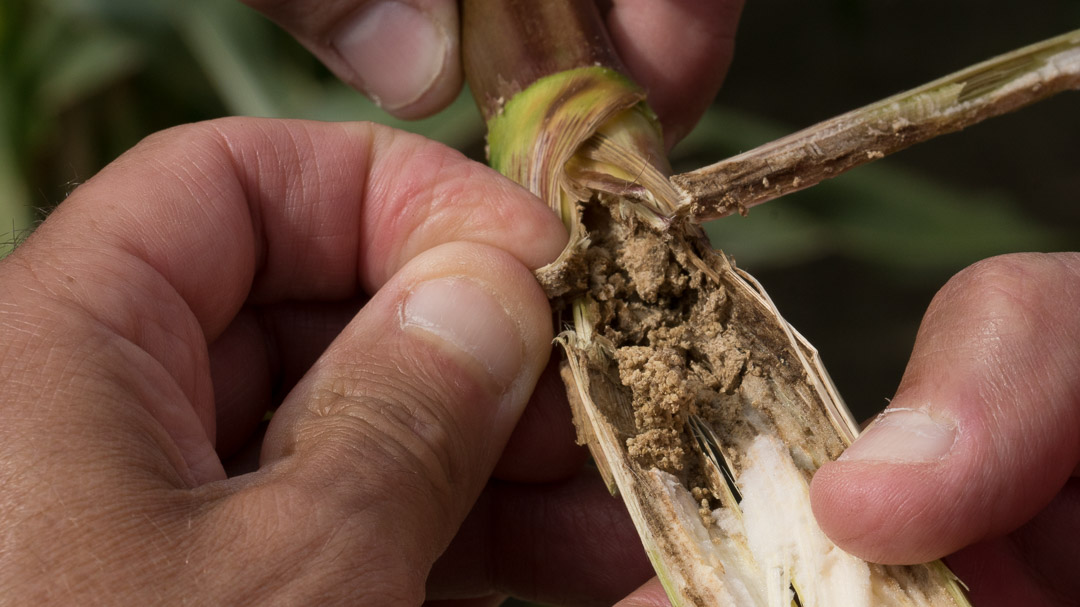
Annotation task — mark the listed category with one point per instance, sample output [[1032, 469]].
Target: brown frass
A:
[[676, 333], [665, 319]]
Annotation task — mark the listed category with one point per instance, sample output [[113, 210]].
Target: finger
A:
[[165, 246], [268, 348], [543, 447], [398, 425], [679, 50], [403, 54], [229, 209], [566, 543], [651, 594], [1035, 565], [985, 426]]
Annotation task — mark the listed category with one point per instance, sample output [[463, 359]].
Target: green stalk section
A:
[[563, 119], [539, 130], [511, 44], [540, 138]]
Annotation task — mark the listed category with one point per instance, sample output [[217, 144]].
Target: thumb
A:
[[403, 54], [391, 436], [985, 427]]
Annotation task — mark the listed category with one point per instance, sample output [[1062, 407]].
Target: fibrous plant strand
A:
[[827, 149]]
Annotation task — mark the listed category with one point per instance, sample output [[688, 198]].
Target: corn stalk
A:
[[701, 405]]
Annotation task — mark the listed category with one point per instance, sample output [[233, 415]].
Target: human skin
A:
[[405, 54], [977, 454], [148, 322]]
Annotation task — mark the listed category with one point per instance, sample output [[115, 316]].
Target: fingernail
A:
[[466, 320], [903, 436], [396, 51]]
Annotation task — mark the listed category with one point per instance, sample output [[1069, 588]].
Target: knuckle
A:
[[207, 144], [1007, 290], [1002, 273], [1026, 290], [1007, 320]]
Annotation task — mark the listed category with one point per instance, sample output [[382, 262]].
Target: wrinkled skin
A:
[[223, 267], [996, 359]]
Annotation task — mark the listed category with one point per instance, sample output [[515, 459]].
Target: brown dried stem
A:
[[829, 148]]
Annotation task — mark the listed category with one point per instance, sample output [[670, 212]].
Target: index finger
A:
[[164, 246], [283, 210]]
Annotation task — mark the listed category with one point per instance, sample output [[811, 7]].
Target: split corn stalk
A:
[[700, 404]]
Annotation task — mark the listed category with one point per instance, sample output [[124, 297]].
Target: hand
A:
[[378, 286], [404, 54], [977, 455]]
